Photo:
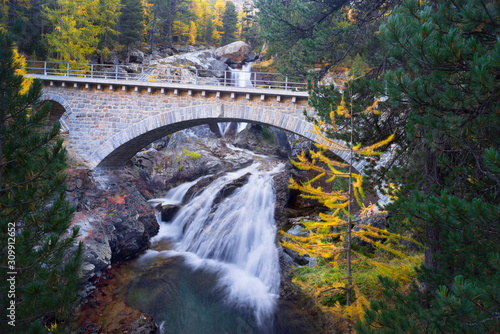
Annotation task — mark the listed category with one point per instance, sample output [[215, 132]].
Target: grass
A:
[[324, 282], [265, 66]]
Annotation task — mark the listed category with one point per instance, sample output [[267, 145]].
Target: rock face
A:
[[183, 67], [115, 220], [106, 310], [235, 53]]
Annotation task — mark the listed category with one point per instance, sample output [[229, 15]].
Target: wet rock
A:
[[115, 221], [168, 212], [235, 53], [281, 181], [214, 127], [198, 188], [230, 188]]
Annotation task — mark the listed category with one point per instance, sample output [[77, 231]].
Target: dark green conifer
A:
[[131, 23], [38, 251], [229, 22], [448, 54]]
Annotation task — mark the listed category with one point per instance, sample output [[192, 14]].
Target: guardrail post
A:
[[196, 78], [225, 78], [67, 70], [286, 83], [116, 72], [44, 68], [91, 71], [168, 75]]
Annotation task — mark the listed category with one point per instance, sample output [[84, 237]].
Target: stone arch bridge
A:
[[110, 120]]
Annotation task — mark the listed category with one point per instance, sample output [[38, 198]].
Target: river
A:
[[214, 267]]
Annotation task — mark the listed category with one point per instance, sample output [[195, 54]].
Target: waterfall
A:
[[175, 195], [239, 78], [233, 237], [242, 78]]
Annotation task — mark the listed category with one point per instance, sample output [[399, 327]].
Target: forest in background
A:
[[69, 30]]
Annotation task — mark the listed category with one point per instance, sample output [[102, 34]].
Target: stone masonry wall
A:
[[103, 120]]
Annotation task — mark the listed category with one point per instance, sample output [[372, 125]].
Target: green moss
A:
[[267, 135], [192, 155]]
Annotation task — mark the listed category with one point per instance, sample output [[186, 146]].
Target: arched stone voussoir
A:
[[59, 99], [120, 148]]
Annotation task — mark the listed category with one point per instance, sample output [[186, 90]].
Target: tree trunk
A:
[[432, 231]]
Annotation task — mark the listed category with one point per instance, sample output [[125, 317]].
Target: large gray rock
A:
[[136, 56], [183, 67], [235, 53], [115, 221]]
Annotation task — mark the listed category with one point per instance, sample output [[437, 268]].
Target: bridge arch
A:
[[125, 144], [60, 111]]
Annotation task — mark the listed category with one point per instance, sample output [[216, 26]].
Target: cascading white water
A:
[[235, 238], [175, 195], [242, 78], [239, 78]]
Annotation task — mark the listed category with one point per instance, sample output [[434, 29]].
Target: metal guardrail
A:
[[264, 80]]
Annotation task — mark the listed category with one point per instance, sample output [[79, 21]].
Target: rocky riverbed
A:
[[117, 222]]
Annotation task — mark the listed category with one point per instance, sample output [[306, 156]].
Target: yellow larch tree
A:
[[337, 223], [192, 33], [218, 14]]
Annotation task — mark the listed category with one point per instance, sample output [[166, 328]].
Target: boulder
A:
[[235, 53], [136, 56], [230, 188], [168, 212], [115, 221]]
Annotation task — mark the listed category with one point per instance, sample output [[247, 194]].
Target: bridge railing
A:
[[165, 74]]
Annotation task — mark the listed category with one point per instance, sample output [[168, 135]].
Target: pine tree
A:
[[229, 23], [218, 14], [39, 258], [448, 53], [107, 22], [74, 37], [324, 33], [249, 29], [131, 23]]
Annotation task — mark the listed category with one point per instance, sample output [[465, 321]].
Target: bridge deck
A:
[[153, 85], [167, 79]]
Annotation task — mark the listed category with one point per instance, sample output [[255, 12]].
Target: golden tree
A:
[[337, 224]]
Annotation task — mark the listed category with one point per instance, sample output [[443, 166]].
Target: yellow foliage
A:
[[342, 110], [192, 33], [327, 237], [22, 71]]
